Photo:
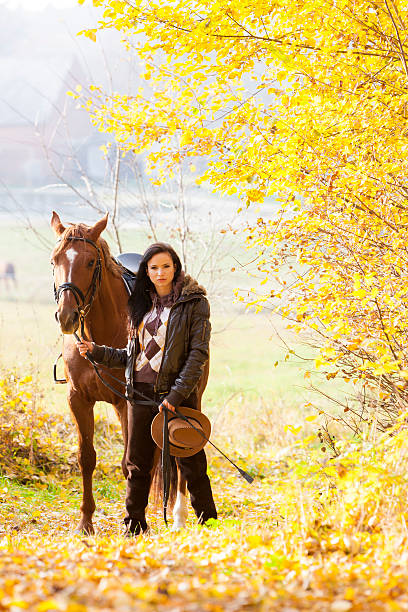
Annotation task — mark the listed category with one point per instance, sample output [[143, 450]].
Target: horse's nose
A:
[[75, 320], [68, 321]]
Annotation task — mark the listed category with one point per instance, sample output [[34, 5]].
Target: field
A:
[[312, 532]]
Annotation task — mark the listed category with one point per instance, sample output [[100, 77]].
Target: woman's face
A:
[[161, 270]]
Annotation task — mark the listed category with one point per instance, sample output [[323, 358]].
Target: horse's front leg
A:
[[180, 510], [82, 411]]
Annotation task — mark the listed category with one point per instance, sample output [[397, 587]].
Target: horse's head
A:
[[77, 262]]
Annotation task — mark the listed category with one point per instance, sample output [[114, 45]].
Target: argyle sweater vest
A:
[[152, 336]]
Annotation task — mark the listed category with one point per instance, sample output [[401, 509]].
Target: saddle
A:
[[130, 262]]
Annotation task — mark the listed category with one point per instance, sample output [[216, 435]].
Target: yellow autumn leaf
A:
[[48, 605], [186, 138]]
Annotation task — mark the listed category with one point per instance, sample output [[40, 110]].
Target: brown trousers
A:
[[139, 461]]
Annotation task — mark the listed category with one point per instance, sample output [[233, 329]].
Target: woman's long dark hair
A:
[[140, 301]]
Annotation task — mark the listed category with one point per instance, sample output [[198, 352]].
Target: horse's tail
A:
[[156, 488]]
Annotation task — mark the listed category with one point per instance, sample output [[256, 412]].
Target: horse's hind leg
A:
[[84, 418], [180, 510]]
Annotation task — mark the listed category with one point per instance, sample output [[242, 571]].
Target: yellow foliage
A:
[[310, 533], [34, 443], [284, 105]]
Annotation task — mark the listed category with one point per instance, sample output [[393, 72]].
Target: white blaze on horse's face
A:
[[71, 254], [69, 268], [64, 266]]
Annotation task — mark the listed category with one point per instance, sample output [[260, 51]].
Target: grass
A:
[[30, 342], [248, 358], [51, 491]]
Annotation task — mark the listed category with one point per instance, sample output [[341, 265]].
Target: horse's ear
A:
[[56, 224], [96, 230]]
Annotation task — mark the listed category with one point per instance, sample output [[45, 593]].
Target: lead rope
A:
[[166, 464]]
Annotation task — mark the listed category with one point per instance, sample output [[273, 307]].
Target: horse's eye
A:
[[91, 263]]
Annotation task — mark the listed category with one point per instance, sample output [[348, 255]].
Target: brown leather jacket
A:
[[186, 348]]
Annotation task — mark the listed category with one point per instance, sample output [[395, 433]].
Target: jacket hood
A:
[[191, 286]]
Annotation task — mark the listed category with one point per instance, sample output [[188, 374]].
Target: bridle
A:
[[84, 302]]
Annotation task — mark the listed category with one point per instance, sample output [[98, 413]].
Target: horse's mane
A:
[[80, 230]]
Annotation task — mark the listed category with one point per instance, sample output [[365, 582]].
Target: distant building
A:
[[45, 137]]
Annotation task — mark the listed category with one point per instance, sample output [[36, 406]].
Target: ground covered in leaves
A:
[[313, 532]]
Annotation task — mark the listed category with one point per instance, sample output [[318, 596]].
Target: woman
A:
[[169, 333]]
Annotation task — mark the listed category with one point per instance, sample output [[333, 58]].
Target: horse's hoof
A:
[[177, 527], [85, 528]]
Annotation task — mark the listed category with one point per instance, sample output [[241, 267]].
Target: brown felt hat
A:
[[184, 439]]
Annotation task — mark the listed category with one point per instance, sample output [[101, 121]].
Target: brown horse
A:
[[89, 287]]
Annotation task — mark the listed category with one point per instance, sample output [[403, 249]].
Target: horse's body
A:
[[105, 322], [8, 274]]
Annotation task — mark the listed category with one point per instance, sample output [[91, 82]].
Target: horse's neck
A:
[[106, 322]]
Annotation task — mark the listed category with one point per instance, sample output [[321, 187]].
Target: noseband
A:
[[84, 302]]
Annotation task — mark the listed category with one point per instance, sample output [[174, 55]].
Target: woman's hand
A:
[[167, 405], [84, 346]]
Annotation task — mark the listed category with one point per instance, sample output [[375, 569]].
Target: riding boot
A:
[[134, 528], [194, 470]]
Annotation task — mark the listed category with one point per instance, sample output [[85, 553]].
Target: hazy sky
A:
[[36, 5]]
